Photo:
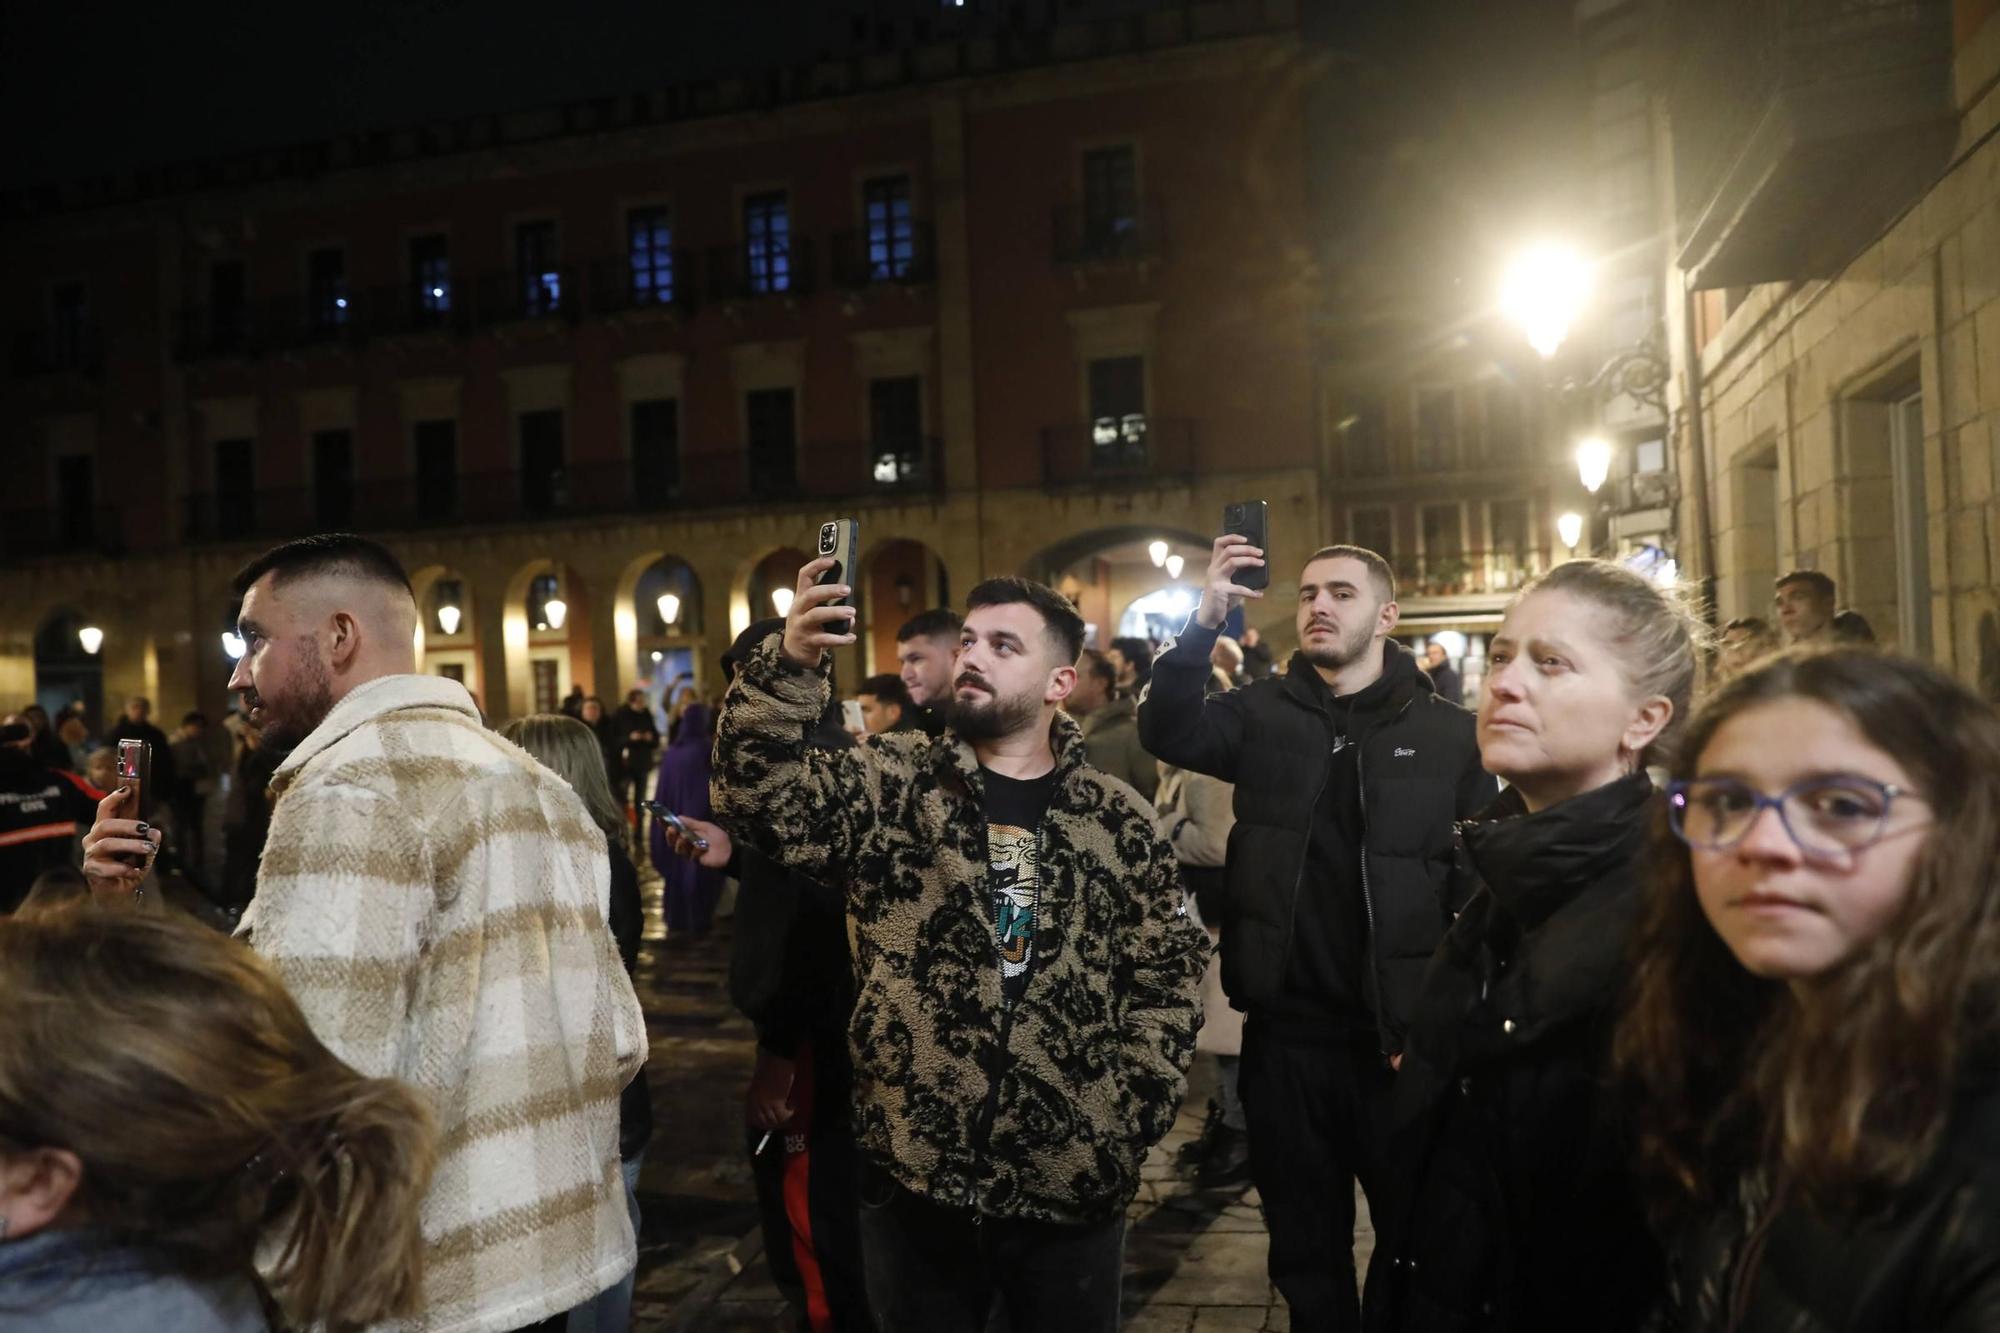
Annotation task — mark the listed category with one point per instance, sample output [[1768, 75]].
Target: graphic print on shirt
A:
[[1012, 876]]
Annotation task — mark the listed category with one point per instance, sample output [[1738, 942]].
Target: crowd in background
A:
[[1654, 991]]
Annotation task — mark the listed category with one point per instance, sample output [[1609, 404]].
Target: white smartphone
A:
[[850, 716]]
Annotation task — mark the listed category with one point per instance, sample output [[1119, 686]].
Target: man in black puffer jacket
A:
[[1340, 882]]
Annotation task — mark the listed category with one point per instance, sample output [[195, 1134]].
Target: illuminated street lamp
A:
[[91, 637], [1158, 552], [659, 656], [670, 608], [781, 598], [448, 618], [1174, 566], [557, 611], [233, 645], [1543, 291], [1593, 462], [1570, 528]]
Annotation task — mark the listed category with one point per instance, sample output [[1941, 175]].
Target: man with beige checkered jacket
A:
[[436, 901]]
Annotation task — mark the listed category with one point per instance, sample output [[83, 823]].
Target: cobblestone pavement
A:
[[1194, 1260]]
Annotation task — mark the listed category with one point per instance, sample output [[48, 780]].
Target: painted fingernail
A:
[[144, 828]]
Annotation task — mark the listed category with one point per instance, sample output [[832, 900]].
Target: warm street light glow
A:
[[1158, 551], [1593, 462], [557, 610], [91, 637], [781, 598], [670, 608], [659, 656], [1543, 291], [1174, 566], [1570, 528], [448, 618], [233, 645]]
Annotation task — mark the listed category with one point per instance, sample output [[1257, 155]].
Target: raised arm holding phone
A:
[[1348, 774]]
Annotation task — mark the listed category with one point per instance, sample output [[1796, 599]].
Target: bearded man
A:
[[1340, 881], [1028, 973]]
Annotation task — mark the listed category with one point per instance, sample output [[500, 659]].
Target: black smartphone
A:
[[135, 777], [1251, 520], [674, 821], [841, 539]]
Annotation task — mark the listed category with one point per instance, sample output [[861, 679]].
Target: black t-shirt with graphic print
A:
[[1014, 810]]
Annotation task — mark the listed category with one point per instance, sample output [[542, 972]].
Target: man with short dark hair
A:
[[635, 742], [1340, 882], [1132, 659], [1110, 725], [1028, 972], [1805, 601], [1444, 676], [926, 652], [885, 705], [435, 900]]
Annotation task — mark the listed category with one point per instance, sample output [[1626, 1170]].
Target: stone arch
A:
[[756, 578], [455, 652], [900, 576], [541, 656], [1106, 570], [651, 649], [64, 673]]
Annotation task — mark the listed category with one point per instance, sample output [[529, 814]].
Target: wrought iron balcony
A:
[[1137, 447], [876, 257], [1096, 236], [757, 271], [72, 348], [618, 287]]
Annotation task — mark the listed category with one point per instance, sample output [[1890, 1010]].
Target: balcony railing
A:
[[820, 471], [443, 306], [747, 272], [1466, 573], [1135, 447], [72, 531], [520, 296], [1088, 236], [1800, 127], [617, 287], [871, 258], [57, 349]]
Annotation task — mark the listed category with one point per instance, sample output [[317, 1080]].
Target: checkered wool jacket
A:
[[436, 901], [1043, 1110]]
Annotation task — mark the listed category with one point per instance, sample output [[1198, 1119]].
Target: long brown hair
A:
[[1841, 1097], [211, 1124]]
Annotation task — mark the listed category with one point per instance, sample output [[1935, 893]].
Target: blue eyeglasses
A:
[[1834, 814]]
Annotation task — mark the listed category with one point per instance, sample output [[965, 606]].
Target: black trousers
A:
[[933, 1269], [808, 1194], [1317, 1109]]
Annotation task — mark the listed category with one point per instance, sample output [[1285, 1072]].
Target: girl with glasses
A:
[[1520, 1211], [1813, 1040]]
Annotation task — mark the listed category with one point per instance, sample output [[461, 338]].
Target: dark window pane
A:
[[656, 450], [896, 429], [890, 232], [773, 428], [228, 306], [651, 255], [1366, 430], [1375, 530], [537, 268], [767, 242], [76, 499], [235, 488], [1503, 420], [437, 470], [543, 485], [1437, 429], [326, 290], [1118, 410], [333, 478], [1110, 198], [430, 275], [1444, 540]]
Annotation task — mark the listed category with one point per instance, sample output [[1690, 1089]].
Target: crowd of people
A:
[[1655, 992]]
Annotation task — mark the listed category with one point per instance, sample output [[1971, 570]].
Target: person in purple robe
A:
[[691, 891]]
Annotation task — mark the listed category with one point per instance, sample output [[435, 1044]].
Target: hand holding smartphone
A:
[[674, 822], [135, 778], [1238, 566], [841, 539]]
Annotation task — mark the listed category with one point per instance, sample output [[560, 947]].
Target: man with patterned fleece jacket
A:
[[1028, 974]]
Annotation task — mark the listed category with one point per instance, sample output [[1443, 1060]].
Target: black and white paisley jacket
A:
[[1042, 1110]]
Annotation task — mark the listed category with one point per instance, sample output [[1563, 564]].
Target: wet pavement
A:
[[1194, 1260]]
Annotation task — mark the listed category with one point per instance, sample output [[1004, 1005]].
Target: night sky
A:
[[92, 89]]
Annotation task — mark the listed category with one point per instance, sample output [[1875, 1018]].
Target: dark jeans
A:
[[1317, 1110], [936, 1270], [628, 787]]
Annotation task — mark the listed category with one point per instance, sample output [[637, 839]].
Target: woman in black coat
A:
[[1812, 1046], [1516, 1208]]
